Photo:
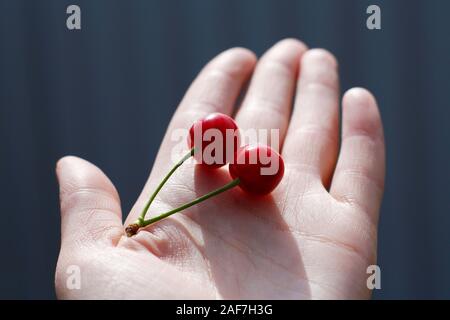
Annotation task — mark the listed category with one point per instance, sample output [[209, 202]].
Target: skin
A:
[[313, 237]]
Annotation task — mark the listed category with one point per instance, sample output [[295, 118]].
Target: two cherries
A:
[[246, 164], [256, 169]]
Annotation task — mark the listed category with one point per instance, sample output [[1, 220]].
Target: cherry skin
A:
[[258, 167], [221, 123]]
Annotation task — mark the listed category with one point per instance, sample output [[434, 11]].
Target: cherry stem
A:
[[226, 187], [153, 196]]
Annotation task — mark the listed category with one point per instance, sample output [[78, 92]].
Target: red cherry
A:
[[219, 130], [258, 167]]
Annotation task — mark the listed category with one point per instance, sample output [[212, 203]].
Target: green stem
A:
[[153, 196], [226, 187]]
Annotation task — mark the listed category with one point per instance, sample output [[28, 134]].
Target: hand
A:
[[313, 237]]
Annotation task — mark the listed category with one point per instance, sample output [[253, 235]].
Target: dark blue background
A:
[[107, 92]]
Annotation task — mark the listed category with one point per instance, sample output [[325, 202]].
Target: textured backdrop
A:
[[107, 92]]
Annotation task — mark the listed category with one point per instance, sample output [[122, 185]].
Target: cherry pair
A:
[[257, 169]]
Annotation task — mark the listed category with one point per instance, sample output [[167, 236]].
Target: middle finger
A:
[[267, 104]]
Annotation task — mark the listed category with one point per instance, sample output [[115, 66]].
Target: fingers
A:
[[90, 205], [311, 143], [267, 104], [215, 89], [359, 174]]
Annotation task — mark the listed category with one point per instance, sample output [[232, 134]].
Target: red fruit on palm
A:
[[215, 138], [258, 167]]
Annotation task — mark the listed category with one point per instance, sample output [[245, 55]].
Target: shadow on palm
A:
[[239, 243]]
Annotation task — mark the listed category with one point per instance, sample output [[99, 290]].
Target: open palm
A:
[[313, 237]]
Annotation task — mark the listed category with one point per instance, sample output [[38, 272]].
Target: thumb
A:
[[90, 205]]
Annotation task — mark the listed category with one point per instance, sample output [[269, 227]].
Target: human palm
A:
[[313, 237]]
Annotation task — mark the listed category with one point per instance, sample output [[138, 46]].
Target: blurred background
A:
[[107, 92]]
